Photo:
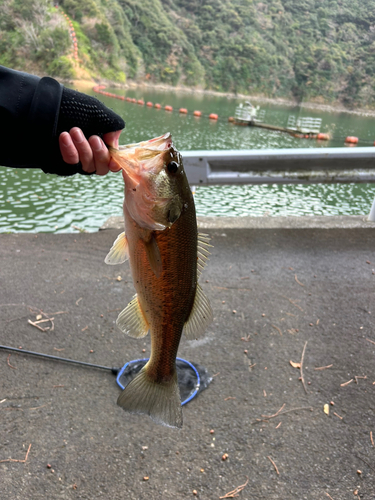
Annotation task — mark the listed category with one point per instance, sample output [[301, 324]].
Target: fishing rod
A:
[[192, 378], [114, 370]]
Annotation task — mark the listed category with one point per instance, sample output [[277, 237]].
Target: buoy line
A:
[[321, 136]]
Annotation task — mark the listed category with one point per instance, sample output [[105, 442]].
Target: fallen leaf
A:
[[326, 409], [295, 365]]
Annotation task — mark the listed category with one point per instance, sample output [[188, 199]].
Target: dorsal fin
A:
[[203, 253], [200, 316]]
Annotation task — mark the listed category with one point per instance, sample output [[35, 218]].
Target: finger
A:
[[68, 151], [84, 150], [112, 138], [101, 155], [113, 167]]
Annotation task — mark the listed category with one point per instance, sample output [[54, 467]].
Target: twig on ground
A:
[[10, 366], [246, 339], [36, 326], [282, 413], [78, 301], [356, 377], [277, 328], [328, 495], [297, 280], [14, 319], [230, 397], [364, 461], [275, 414], [372, 342], [372, 440], [278, 425], [48, 317], [273, 463], [346, 383], [14, 460], [337, 415], [238, 489], [292, 302], [37, 407], [323, 367], [301, 368]]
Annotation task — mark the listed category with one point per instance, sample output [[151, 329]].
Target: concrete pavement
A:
[[274, 292]]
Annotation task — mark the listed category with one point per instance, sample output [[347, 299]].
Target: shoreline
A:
[[278, 101]]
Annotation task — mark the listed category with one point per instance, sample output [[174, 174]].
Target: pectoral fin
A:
[[132, 321], [119, 252], [200, 317], [153, 255]]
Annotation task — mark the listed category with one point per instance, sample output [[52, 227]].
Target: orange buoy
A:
[[213, 116], [149, 104], [183, 111], [351, 140], [157, 106], [128, 99], [168, 108], [323, 137], [231, 119], [134, 100], [197, 113], [140, 102]]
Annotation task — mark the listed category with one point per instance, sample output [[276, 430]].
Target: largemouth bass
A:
[[166, 254]]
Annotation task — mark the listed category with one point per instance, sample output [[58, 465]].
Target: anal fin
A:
[[132, 321]]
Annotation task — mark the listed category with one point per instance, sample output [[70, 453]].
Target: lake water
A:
[[33, 201]]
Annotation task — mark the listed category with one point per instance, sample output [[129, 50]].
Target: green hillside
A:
[[300, 49]]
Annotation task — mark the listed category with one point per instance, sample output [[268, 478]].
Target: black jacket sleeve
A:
[[33, 113]]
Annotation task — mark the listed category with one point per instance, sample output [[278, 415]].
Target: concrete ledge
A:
[[313, 222]]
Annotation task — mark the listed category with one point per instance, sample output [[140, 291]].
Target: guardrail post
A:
[[371, 216]]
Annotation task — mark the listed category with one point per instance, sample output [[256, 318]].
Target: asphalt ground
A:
[[278, 295]]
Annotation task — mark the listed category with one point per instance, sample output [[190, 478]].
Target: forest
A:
[[305, 50]]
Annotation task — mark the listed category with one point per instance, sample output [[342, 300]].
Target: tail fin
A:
[[159, 400]]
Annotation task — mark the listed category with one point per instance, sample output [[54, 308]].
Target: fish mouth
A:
[[145, 156], [141, 163]]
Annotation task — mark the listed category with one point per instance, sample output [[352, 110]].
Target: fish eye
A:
[[172, 167]]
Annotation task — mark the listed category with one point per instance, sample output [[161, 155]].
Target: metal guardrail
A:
[[281, 166]]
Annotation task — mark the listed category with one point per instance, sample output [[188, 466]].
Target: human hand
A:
[[92, 153]]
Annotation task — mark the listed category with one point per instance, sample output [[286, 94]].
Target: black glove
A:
[[87, 113]]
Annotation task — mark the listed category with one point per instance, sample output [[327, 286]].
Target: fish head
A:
[[155, 181]]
